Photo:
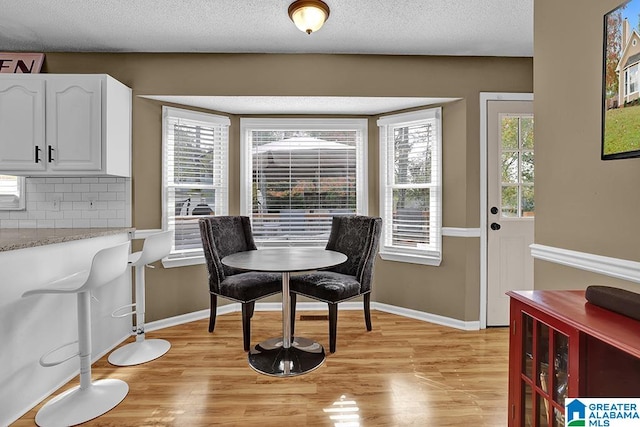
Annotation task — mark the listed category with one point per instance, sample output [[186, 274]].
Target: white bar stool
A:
[[155, 247], [91, 398]]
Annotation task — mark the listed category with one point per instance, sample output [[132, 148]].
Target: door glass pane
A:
[[527, 345], [510, 168], [543, 411], [542, 355], [527, 405], [527, 166], [510, 201], [561, 362], [528, 203], [526, 132], [509, 133]]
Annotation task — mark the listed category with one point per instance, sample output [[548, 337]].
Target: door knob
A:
[[494, 210], [495, 226]]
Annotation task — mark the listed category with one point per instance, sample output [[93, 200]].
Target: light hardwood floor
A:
[[403, 373]]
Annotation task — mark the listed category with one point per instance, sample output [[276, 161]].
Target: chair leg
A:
[[251, 307], [247, 312], [213, 308], [367, 310], [333, 326], [292, 300]]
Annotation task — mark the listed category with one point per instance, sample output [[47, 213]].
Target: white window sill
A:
[[410, 258], [184, 261]]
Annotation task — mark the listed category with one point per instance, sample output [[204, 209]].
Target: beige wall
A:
[[450, 290], [582, 203]]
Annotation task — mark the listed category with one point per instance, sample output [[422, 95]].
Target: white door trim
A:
[[484, 98]]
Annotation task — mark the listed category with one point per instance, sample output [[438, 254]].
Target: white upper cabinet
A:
[[64, 125]]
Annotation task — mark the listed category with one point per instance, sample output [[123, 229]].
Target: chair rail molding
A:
[[460, 232], [608, 266]]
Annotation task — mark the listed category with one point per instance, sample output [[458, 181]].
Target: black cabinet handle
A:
[[50, 154], [37, 154], [495, 226]]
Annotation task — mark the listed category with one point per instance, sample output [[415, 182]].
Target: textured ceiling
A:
[[413, 27]]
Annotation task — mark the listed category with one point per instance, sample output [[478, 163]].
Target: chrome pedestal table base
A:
[[271, 358], [285, 356]]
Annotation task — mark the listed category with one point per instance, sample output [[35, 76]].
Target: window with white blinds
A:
[[195, 170], [411, 186], [299, 173], [12, 196]]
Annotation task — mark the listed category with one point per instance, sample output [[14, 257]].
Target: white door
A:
[[510, 201], [74, 124], [22, 124]]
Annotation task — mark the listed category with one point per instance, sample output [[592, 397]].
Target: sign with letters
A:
[[21, 63]]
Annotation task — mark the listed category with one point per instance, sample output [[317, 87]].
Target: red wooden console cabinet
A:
[[562, 346]]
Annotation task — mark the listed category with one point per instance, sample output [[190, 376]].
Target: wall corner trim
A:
[[608, 266]]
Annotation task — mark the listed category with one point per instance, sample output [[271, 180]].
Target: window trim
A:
[[246, 170], [409, 255], [180, 259]]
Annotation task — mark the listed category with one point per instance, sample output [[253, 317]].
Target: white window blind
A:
[[410, 186], [12, 192], [299, 173], [195, 174]]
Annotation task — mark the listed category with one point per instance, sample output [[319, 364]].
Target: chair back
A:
[[358, 238], [108, 264], [155, 247], [222, 236]]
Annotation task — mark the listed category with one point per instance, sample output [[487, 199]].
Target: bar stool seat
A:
[[155, 247], [91, 398]]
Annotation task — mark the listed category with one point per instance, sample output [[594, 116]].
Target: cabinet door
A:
[[540, 378], [74, 124], [22, 125]]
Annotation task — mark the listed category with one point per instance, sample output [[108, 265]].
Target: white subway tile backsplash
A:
[[98, 188], [65, 203], [81, 188], [72, 197], [45, 188], [64, 188]]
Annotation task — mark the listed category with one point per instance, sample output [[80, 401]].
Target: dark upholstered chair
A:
[[226, 235], [357, 237]]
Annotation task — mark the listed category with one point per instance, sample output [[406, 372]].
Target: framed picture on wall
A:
[[621, 82]]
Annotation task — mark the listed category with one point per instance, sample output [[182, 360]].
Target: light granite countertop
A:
[[22, 238]]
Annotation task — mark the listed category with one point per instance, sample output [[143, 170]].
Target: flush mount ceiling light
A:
[[308, 15]]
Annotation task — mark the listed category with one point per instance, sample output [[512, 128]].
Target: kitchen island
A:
[[30, 327]]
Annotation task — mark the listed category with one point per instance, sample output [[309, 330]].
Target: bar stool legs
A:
[[143, 350], [90, 399]]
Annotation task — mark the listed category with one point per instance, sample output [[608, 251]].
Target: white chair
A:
[[91, 398], [155, 247]]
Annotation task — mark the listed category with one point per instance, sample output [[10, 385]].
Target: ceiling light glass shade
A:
[[309, 15]]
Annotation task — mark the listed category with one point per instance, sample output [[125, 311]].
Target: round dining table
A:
[[285, 355]]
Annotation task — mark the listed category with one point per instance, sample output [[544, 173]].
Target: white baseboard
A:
[[613, 267], [318, 306], [428, 317]]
